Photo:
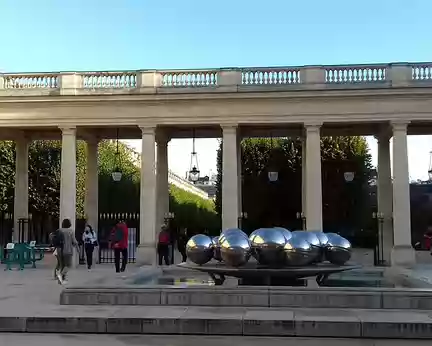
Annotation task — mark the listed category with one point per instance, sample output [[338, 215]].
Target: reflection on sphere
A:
[[338, 249], [199, 249], [235, 249], [313, 240], [231, 231], [216, 249], [298, 251], [286, 233], [268, 244]]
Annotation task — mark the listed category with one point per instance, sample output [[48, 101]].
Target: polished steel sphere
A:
[[323, 239], [287, 234], [216, 249], [199, 249], [338, 249], [313, 240], [231, 231], [298, 251], [235, 250], [267, 245]]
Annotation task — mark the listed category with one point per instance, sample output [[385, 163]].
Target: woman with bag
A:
[[90, 241]]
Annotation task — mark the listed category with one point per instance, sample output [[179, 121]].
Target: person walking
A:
[[163, 245], [90, 241], [67, 252], [181, 243], [119, 243], [56, 240]]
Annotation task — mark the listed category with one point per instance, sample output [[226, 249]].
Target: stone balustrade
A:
[[220, 80]]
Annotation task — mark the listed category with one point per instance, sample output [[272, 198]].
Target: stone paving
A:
[[178, 340], [29, 303]]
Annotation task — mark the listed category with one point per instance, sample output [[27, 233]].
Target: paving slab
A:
[[336, 323]]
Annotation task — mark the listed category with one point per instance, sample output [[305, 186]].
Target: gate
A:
[[107, 221], [6, 229]]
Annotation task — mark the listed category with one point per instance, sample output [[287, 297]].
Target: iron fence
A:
[[107, 221]]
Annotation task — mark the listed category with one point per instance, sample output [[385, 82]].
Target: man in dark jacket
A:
[[181, 243]]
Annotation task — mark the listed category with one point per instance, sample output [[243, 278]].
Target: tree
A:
[[114, 197], [276, 203]]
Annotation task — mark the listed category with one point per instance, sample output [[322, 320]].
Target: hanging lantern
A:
[[117, 174], [273, 176], [349, 176], [194, 172]]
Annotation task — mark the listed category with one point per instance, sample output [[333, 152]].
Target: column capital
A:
[[400, 125], [68, 130], [383, 137], [162, 138], [147, 129], [229, 127], [314, 126]]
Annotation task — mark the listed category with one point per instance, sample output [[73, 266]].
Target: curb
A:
[[285, 324]]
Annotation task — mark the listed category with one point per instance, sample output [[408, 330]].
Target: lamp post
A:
[[302, 216], [243, 216], [167, 219], [379, 260]]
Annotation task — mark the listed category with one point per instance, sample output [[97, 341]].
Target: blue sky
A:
[[61, 35]]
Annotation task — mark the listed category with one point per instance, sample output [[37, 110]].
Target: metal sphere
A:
[[216, 249], [235, 250], [199, 249], [338, 249], [287, 234], [313, 240], [321, 236], [323, 239], [267, 245], [298, 251], [231, 231]]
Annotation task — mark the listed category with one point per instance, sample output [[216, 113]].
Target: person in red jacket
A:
[[119, 243]]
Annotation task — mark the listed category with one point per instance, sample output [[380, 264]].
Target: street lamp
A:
[[116, 174], [302, 216], [379, 216]]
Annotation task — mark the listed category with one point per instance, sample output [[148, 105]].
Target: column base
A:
[[403, 256], [146, 254]]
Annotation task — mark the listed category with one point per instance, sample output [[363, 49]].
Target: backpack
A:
[[164, 238], [57, 239], [118, 235]]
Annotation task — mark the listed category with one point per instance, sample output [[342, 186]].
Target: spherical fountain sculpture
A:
[[281, 255], [268, 245], [338, 249], [235, 249], [199, 249]]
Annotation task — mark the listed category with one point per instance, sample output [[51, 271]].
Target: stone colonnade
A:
[[393, 197]]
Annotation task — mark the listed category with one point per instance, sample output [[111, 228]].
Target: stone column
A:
[[68, 176], [402, 253], [239, 181], [92, 184], [385, 193], [313, 201], [146, 251], [162, 178], [68, 180], [21, 200], [303, 175], [229, 178]]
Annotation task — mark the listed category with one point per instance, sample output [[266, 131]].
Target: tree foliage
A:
[[114, 197], [345, 204]]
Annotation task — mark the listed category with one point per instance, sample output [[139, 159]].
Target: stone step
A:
[[252, 296], [335, 323]]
